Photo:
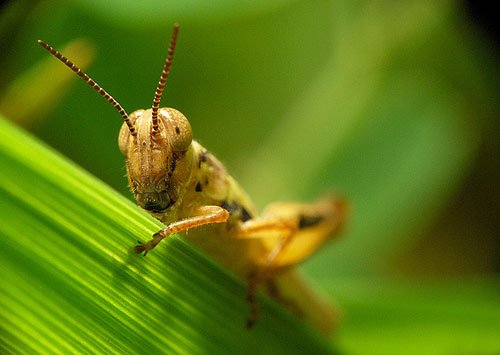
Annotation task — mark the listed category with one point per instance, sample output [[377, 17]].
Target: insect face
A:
[[152, 155], [153, 141]]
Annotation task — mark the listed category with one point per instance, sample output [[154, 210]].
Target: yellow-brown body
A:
[[259, 248]]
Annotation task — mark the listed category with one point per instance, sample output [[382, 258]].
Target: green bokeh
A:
[[390, 104]]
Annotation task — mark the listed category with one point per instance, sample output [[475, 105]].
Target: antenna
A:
[[92, 83], [163, 78]]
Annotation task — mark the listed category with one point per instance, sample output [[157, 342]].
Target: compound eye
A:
[[123, 139], [179, 129]]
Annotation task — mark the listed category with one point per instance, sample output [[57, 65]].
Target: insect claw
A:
[[140, 248]]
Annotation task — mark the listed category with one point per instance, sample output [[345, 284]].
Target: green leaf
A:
[[70, 282]]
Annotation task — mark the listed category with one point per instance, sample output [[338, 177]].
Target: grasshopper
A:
[[180, 183]]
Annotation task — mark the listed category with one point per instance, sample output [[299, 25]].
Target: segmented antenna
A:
[[92, 83], [163, 78]]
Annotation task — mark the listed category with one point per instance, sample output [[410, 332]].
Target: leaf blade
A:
[[70, 282]]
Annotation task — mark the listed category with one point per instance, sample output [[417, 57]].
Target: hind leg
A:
[[297, 231]]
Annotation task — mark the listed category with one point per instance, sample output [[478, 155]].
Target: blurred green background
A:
[[391, 104]]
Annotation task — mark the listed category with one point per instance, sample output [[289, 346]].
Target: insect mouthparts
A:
[[155, 201]]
